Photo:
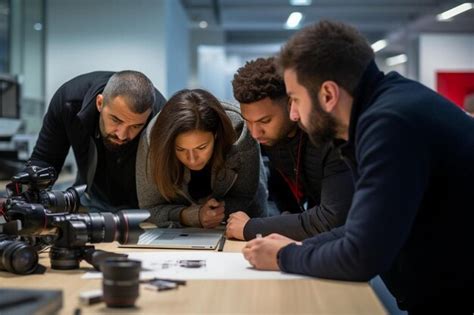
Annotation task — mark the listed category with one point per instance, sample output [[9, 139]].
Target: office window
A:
[[4, 35]]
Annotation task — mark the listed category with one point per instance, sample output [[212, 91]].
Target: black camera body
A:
[[39, 211], [38, 182]]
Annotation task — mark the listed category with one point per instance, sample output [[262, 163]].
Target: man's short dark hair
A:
[[327, 51], [134, 86], [257, 80]]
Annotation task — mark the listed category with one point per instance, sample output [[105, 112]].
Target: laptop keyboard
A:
[[147, 237], [150, 236], [167, 236]]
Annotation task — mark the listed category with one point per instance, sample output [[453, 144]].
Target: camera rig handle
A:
[[34, 176]]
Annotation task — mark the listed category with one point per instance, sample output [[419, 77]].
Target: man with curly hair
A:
[[300, 173]]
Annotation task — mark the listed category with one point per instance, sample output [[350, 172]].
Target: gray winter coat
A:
[[241, 183]]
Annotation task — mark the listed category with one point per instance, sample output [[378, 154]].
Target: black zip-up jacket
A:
[[71, 121], [286, 159], [325, 183], [413, 208]]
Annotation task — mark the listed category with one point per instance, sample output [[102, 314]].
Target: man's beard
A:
[[283, 134], [322, 126], [112, 146], [108, 139]]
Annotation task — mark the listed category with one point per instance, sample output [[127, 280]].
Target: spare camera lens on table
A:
[[16, 256], [120, 281]]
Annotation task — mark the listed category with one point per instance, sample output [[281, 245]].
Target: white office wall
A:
[[217, 64], [177, 47], [88, 35], [211, 70], [444, 52], [413, 56], [200, 37], [382, 64]]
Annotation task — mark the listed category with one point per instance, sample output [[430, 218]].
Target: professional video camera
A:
[[38, 211], [38, 182]]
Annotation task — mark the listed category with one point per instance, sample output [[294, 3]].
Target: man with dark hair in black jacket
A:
[[412, 153], [100, 115], [300, 173]]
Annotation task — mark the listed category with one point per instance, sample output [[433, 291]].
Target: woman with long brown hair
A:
[[197, 163]]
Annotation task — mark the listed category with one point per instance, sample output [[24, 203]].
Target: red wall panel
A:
[[455, 85]]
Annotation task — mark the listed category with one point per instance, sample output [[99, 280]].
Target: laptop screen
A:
[[186, 238]]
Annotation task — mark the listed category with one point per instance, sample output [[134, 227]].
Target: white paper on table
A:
[[218, 266], [144, 275]]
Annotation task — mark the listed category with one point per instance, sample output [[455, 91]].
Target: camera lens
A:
[[17, 257], [80, 228], [126, 224], [123, 226], [120, 281], [65, 258], [63, 201]]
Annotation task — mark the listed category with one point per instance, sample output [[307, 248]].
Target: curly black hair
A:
[[257, 80]]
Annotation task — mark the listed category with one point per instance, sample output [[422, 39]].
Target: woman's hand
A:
[[211, 213]]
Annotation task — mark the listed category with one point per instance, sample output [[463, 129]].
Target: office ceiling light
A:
[[300, 2], [203, 24], [379, 45], [396, 60], [294, 20], [38, 27], [446, 15]]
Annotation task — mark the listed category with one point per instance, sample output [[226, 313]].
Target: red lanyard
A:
[[294, 186]]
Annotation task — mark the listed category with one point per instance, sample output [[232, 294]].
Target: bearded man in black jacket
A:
[[301, 174], [412, 154], [100, 115]]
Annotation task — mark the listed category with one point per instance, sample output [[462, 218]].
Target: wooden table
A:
[[307, 296]]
